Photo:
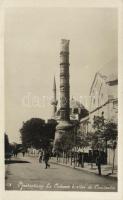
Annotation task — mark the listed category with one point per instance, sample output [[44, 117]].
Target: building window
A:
[[75, 110]]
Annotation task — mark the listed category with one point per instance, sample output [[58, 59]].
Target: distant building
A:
[[77, 111], [103, 95], [103, 100]]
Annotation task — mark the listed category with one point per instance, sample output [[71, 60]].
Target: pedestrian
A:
[[98, 163], [46, 159], [23, 153], [79, 159], [15, 153], [40, 156]]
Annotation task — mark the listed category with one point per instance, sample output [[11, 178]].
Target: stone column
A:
[[64, 80], [64, 125]]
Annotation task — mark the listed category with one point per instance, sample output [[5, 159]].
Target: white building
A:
[[103, 100]]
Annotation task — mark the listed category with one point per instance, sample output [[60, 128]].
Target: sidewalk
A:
[[105, 169]]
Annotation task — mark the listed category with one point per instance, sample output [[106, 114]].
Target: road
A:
[[28, 174]]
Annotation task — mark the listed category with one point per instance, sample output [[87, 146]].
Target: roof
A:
[[76, 104], [108, 72], [78, 108], [110, 69]]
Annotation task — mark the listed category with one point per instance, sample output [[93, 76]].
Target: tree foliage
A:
[[81, 140], [111, 134], [7, 146], [103, 131], [35, 132]]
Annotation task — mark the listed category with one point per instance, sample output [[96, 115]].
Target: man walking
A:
[[46, 159], [98, 163], [79, 159], [40, 156]]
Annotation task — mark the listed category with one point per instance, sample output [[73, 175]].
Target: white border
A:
[[31, 195]]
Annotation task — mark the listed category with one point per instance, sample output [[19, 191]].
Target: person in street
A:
[[15, 153], [23, 153], [98, 163], [79, 159], [40, 156], [46, 159]]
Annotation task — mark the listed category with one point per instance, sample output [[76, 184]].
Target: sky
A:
[[31, 57]]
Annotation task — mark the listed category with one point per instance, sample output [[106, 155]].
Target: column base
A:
[[61, 128]]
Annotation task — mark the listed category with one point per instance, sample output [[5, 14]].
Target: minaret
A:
[[54, 101], [64, 125]]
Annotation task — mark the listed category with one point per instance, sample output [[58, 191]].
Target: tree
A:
[[110, 134], [95, 136], [7, 146], [32, 131], [65, 144], [105, 131], [82, 142], [98, 126], [35, 132]]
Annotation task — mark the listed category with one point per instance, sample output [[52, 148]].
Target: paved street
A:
[[28, 174]]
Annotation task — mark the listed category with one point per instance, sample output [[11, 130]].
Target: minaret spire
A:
[[54, 101], [54, 86]]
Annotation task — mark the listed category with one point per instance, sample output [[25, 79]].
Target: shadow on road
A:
[[15, 161]]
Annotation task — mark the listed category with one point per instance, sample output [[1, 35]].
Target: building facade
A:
[[103, 101]]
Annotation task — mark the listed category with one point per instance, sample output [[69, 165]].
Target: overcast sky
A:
[[32, 47]]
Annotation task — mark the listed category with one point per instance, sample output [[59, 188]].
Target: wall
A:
[[104, 100]]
